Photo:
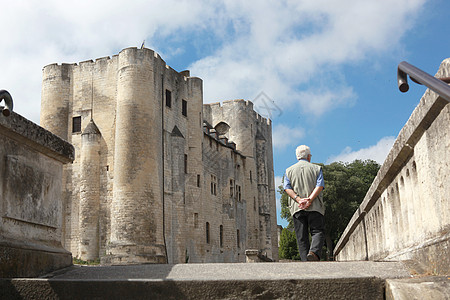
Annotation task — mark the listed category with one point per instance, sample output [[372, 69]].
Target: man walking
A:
[[303, 182]]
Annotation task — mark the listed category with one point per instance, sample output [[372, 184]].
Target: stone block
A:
[[31, 160]]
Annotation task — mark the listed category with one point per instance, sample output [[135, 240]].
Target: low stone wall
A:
[[31, 160], [406, 213]]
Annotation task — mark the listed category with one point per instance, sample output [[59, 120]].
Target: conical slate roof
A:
[[91, 128]]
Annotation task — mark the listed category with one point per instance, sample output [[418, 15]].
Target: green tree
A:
[[285, 213], [346, 185], [288, 245]]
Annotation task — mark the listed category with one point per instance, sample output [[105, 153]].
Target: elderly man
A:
[[303, 182]]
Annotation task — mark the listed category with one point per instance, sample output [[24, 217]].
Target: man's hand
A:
[[304, 203]]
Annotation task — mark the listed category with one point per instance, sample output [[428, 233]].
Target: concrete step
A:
[[307, 280], [423, 288]]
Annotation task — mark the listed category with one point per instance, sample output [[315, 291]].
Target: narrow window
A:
[[198, 180], [184, 107], [250, 176], [221, 235], [168, 98], [239, 198], [238, 239], [207, 232], [238, 193], [76, 124], [213, 185], [231, 188], [185, 163], [195, 220]]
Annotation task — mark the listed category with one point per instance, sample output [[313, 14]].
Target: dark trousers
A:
[[304, 223]]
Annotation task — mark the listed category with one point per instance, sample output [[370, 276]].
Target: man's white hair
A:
[[302, 152]]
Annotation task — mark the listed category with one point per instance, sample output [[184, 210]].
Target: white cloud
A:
[[280, 132], [283, 48], [376, 152], [35, 35], [317, 102]]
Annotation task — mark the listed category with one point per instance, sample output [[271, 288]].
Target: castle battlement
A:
[[245, 105], [130, 51]]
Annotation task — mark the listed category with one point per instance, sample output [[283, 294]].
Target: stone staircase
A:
[[294, 280]]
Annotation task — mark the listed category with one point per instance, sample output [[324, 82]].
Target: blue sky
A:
[[328, 67]]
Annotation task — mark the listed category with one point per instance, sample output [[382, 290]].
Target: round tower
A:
[[238, 115], [89, 193], [55, 99], [136, 208]]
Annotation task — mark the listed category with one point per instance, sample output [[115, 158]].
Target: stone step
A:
[[423, 288], [297, 280]]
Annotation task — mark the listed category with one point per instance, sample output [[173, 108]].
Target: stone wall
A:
[[252, 135], [406, 212], [31, 161], [139, 189]]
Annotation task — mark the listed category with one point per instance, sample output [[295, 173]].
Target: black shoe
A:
[[312, 256]]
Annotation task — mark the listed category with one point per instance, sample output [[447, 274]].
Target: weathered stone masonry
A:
[[158, 176], [405, 215]]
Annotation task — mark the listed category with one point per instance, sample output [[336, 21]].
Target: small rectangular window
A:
[[213, 185], [168, 98], [238, 237], [185, 163], [184, 107], [238, 193], [198, 180], [221, 236], [76, 124], [195, 220], [207, 232], [231, 188]]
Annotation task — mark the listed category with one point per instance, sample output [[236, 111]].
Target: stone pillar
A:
[[55, 99], [251, 256], [89, 193], [136, 208]]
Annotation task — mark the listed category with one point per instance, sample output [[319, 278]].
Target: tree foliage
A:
[[288, 245], [346, 185], [285, 213]]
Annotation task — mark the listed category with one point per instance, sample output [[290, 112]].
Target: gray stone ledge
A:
[[420, 120], [24, 131]]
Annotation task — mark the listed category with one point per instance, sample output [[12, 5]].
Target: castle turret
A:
[[55, 99], [136, 208], [89, 193], [253, 137]]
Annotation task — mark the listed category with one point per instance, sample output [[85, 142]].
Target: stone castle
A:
[[158, 176]]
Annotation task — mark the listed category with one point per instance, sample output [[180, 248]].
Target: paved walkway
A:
[[294, 280]]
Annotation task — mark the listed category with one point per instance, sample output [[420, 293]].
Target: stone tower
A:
[[252, 135], [153, 181]]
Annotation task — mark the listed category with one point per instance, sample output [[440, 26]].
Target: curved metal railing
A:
[[7, 109], [438, 85]]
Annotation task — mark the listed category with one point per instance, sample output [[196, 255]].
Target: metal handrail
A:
[[438, 85], [6, 110]]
